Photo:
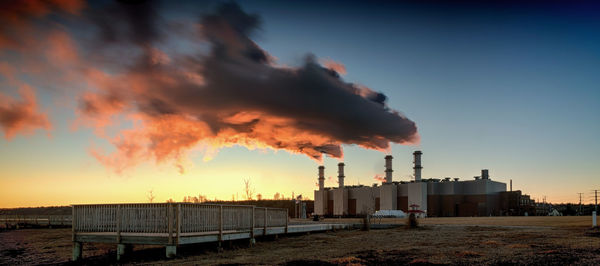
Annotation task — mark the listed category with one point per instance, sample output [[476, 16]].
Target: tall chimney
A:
[[341, 174], [511, 185], [321, 177], [388, 169], [485, 174], [418, 166]]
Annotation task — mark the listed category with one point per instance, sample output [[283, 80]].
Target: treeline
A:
[[54, 210], [269, 203], [66, 210]]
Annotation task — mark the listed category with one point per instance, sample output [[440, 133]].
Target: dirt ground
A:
[[456, 241]]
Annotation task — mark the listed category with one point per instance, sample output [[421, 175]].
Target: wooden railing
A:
[[174, 219], [42, 220]]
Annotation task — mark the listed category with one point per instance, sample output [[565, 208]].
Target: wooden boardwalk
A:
[[17, 221], [173, 224]]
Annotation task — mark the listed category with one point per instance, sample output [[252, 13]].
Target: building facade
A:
[[432, 197]]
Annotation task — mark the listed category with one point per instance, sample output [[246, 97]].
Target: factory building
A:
[[480, 196]]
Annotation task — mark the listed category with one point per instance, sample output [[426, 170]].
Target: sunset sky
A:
[[101, 102]]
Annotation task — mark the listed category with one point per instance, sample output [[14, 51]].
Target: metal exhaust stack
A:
[[341, 174], [388, 169], [485, 174], [321, 177], [418, 167]]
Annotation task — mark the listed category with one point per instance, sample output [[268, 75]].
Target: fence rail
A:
[[40, 220], [174, 224], [174, 218]]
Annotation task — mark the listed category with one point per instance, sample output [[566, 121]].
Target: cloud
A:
[[21, 116], [18, 18], [218, 90], [335, 66]]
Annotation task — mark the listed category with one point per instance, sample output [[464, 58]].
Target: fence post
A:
[[118, 223], [253, 222], [171, 249], [265, 224], [252, 227], [178, 222], [73, 222], [287, 213], [220, 224], [170, 222], [77, 247]]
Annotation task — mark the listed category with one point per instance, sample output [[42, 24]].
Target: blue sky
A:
[[513, 88]]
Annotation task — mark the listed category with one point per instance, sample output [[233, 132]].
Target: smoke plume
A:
[[207, 85], [21, 116]]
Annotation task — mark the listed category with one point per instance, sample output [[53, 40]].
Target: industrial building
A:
[[480, 196]]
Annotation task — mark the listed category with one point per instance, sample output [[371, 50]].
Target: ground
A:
[[484, 240]]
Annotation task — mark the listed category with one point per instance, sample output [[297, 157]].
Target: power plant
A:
[[480, 196]]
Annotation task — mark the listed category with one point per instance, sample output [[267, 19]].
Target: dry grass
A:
[[481, 241], [551, 221], [467, 254]]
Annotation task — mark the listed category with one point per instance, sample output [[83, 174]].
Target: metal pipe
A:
[[485, 174], [418, 167], [321, 177], [341, 175], [388, 168]]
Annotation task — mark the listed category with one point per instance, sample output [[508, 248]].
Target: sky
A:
[[101, 102]]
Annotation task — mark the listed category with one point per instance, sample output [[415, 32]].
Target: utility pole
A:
[[596, 199], [580, 194]]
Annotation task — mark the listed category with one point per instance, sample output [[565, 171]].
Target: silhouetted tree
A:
[[150, 196], [199, 199], [248, 190]]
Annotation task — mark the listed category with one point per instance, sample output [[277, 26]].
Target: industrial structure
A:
[[480, 196]]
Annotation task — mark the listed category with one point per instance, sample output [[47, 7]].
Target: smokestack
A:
[[485, 174], [341, 174], [321, 177], [418, 166], [511, 185], [388, 169]]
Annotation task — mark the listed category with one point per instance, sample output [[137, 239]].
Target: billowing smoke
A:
[[206, 85], [21, 116]]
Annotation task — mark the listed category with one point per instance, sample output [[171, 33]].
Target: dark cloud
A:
[[205, 83], [136, 22], [21, 116], [244, 96]]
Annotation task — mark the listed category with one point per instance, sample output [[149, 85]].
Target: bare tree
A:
[[170, 200], [276, 196], [248, 190], [193, 199], [202, 198], [150, 195], [259, 196]]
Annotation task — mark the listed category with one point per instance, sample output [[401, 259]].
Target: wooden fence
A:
[[174, 218], [35, 220], [171, 224]]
